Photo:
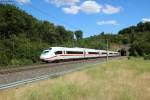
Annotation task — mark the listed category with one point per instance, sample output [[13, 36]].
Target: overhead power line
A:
[[6, 1], [50, 15]]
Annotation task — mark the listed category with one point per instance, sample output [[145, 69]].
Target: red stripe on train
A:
[[72, 55]]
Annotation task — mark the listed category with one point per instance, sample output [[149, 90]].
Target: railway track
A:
[[38, 66], [27, 81], [75, 66]]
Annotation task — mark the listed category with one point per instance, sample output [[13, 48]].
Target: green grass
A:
[[116, 80]]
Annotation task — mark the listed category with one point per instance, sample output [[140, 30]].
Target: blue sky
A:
[[91, 16]]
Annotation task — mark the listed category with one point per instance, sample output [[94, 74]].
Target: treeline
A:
[[138, 37], [100, 41], [23, 37]]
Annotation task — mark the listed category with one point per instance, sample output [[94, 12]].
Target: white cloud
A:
[[23, 1], [63, 2], [71, 10], [108, 9], [90, 7], [109, 22], [145, 20], [87, 6]]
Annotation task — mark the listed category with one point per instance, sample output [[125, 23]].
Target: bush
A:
[[147, 57], [26, 61], [15, 62], [129, 57], [3, 60], [20, 62]]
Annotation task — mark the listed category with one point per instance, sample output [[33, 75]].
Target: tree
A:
[[78, 34], [23, 37]]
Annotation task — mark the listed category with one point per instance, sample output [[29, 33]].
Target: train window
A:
[[104, 53], [44, 52], [93, 52], [110, 53], [50, 49], [58, 52], [74, 52]]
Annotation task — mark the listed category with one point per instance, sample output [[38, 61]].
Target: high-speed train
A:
[[63, 53]]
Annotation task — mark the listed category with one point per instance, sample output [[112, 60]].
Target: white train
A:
[[63, 53]]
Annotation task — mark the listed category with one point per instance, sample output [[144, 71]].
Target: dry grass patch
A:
[[116, 80]]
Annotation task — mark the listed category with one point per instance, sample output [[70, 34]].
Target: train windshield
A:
[[47, 51], [44, 52], [50, 49]]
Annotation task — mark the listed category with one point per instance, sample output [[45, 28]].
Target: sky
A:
[[90, 16]]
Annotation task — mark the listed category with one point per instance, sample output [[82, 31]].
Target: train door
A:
[[99, 54], [84, 53]]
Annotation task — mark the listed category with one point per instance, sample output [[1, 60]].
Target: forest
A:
[[138, 38], [23, 37]]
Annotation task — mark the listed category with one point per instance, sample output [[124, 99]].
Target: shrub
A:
[[147, 57], [3, 60], [129, 57], [15, 62], [26, 61]]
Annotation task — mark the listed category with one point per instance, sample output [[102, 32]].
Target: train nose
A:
[[45, 57], [42, 57]]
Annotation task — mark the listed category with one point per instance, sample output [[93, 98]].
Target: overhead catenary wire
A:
[[63, 22], [14, 2], [40, 11], [6, 1]]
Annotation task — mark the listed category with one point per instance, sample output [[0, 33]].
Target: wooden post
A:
[[107, 50]]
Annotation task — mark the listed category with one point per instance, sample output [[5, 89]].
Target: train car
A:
[[63, 53]]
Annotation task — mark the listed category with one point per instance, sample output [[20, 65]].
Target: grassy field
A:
[[116, 80]]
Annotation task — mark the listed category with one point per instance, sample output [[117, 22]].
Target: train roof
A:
[[79, 49]]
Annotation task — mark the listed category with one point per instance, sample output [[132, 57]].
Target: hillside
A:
[[138, 37], [23, 37]]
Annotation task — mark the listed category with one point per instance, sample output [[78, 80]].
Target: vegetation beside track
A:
[[116, 80], [23, 37]]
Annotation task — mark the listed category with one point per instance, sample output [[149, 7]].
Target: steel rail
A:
[[27, 81], [13, 70], [43, 77]]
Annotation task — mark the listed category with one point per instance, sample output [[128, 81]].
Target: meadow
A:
[[115, 80]]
